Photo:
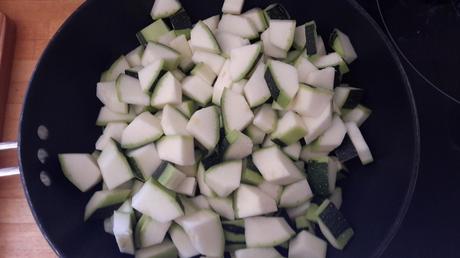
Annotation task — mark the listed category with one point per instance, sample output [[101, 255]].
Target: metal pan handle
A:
[[12, 170]]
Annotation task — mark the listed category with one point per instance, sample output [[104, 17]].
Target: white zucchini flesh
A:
[[156, 51], [266, 231], [332, 137], [187, 187], [357, 115], [205, 232], [317, 125], [270, 49], [308, 154], [275, 166], [144, 129], [152, 32], [286, 80], [311, 101], [181, 45], [323, 78], [150, 232], [343, 46], [257, 252], [238, 87], [166, 38], [282, 33], [214, 61], [320, 47], [122, 229], [329, 60], [251, 201], [237, 25], [224, 80], [212, 22], [146, 159], [257, 17], [106, 92], [202, 38], [164, 8], [293, 150], [114, 167], [290, 129], [167, 91], [225, 177], [272, 190], [165, 249], [228, 41], [80, 169], [129, 91], [182, 242], [197, 89], [204, 126], [203, 71], [156, 201], [222, 206], [295, 194], [108, 225], [232, 6], [177, 149], [149, 75], [187, 108], [200, 178], [178, 74], [300, 210], [118, 67], [336, 197], [257, 135], [134, 56], [305, 244], [360, 144], [256, 89], [173, 121], [236, 112], [102, 199], [240, 146], [171, 177], [266, 119], [189, 170], [243, 59], [200, 202], [304, 68]]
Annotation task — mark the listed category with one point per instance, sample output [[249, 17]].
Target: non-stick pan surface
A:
[[62, 97]]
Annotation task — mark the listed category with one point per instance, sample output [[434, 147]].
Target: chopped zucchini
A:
[[164, 8], [275, 166], [144, 129], [80, 169], [333, 225], [156, 201], [282, 81]]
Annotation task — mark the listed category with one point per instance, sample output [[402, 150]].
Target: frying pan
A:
[[61, 101]]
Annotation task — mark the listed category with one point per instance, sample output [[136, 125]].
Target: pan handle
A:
[[12, 170]]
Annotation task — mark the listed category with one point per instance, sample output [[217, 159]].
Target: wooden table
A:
[[36, 22]]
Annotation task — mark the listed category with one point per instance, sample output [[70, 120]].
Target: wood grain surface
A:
[[7, 36], [36, 21]]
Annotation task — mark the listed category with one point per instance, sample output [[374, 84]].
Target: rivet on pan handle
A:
[[13, 170]]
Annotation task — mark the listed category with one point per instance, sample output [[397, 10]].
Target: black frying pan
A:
[[62, 97]]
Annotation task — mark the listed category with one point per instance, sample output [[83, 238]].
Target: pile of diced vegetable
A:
[[225, 138]]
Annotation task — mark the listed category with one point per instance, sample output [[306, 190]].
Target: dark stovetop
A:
[[427, 33]]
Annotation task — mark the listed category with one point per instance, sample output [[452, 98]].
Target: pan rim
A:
[[393, 230]]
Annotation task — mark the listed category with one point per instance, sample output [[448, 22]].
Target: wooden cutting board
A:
[[7, 36]]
